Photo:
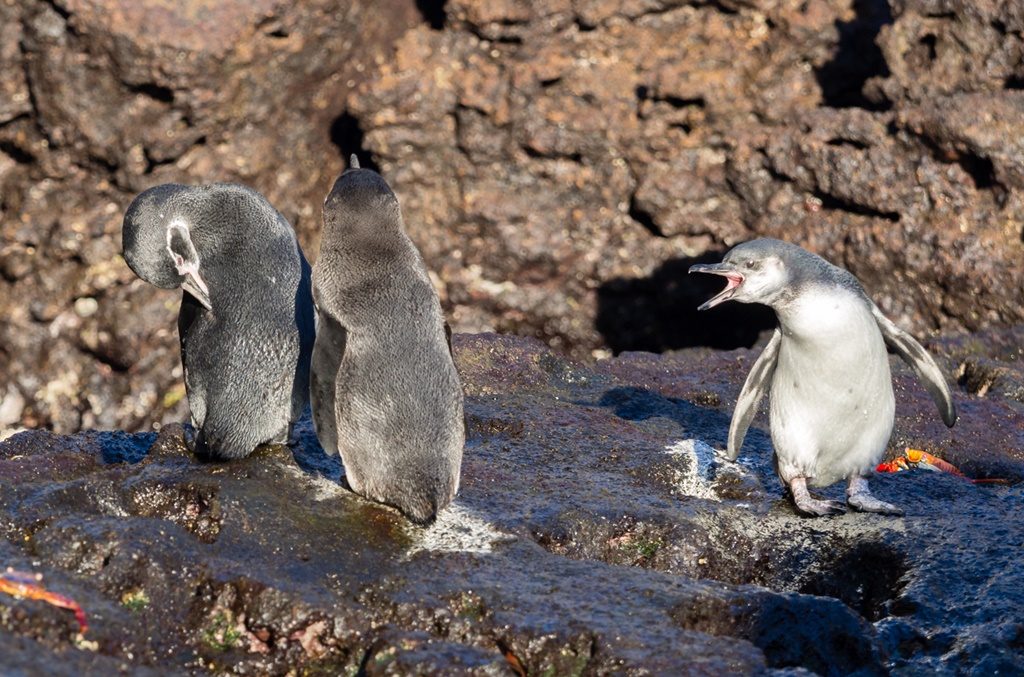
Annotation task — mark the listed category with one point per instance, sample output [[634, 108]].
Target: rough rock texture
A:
[[562, 162], [100, 99], [594, 534]]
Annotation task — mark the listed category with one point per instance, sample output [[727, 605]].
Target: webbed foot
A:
[[859, 497], [819, 507], [809, 505]]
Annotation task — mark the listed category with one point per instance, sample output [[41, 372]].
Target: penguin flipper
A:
[[914, 354], [753, 390], [328, 351]]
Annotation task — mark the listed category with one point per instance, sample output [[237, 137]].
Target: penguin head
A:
[[157, 242], [758, 271], [361, 207]]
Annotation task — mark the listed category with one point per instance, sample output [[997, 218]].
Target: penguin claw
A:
[[868, 503], [816, 507]]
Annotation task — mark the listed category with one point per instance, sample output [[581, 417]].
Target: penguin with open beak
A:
[[831, 403]]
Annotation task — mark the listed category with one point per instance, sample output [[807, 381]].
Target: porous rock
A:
[[595, 532]]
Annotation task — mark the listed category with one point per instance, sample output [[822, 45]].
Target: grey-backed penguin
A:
[[246, 322], [385, 392], [831, 391]]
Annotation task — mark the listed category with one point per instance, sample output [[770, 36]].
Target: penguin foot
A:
[[819, 507], [809, 505], [859, 497], [868, 503]]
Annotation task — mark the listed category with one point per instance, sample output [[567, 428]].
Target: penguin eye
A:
[[751, 264]]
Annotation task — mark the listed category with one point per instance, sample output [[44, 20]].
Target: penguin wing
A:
[[448, 338], [914, 354], [328, 350], [753, 390]]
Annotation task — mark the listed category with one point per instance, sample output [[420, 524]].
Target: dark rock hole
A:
[[1014, 82], [644, 93], [19, 155], [929, 42], [980, 169], [680, 102], [722, 7], [868, 577], [659, 312], [644, 217], [433, 12], [154, 91], [537, 155], [271, 27], [832, 202], [856, 59], [849, 143], [347, 136], [584, 26], [61, 11]]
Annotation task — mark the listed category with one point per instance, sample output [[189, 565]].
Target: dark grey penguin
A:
[[831, 400], [385, 392], [246, 321]]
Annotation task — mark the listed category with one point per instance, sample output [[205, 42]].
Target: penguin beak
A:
[[733, 281], [195, 286]]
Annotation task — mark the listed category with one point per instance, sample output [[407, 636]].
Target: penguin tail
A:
[[209, 447], [420, 510]]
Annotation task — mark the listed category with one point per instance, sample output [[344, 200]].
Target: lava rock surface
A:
[[561, 163], [595, 533]]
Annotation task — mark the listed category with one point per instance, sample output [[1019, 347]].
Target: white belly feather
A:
[[831, 396]]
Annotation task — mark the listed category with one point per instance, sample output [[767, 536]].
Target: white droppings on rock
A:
[[324, 488], [458, 529], [696, 478]]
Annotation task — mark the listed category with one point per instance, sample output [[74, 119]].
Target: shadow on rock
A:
[[710, 425], [857, 58], [659, 312], [311, 457]]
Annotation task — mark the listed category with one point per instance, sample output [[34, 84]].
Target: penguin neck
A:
[[821, 313], [258, 266], [368, 259]]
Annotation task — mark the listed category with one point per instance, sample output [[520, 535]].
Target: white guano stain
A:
[[696, 478], [457, 529]]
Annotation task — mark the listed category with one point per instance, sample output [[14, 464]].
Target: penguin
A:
[[385, 392], [831, 403], [246, 325]]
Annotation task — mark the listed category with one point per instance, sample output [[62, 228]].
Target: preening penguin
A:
[[385, 392], [246, 318], [831, 399]]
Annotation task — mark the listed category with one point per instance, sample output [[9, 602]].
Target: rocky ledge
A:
[[594, 533]]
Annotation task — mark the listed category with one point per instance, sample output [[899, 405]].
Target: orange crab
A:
[[26, 585], [915, 458]]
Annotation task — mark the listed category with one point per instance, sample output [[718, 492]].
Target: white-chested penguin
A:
[[246, 321], [831, 392], [385, 392]]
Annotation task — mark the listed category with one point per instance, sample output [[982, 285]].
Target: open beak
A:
[[733, 280], [195, 286]]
